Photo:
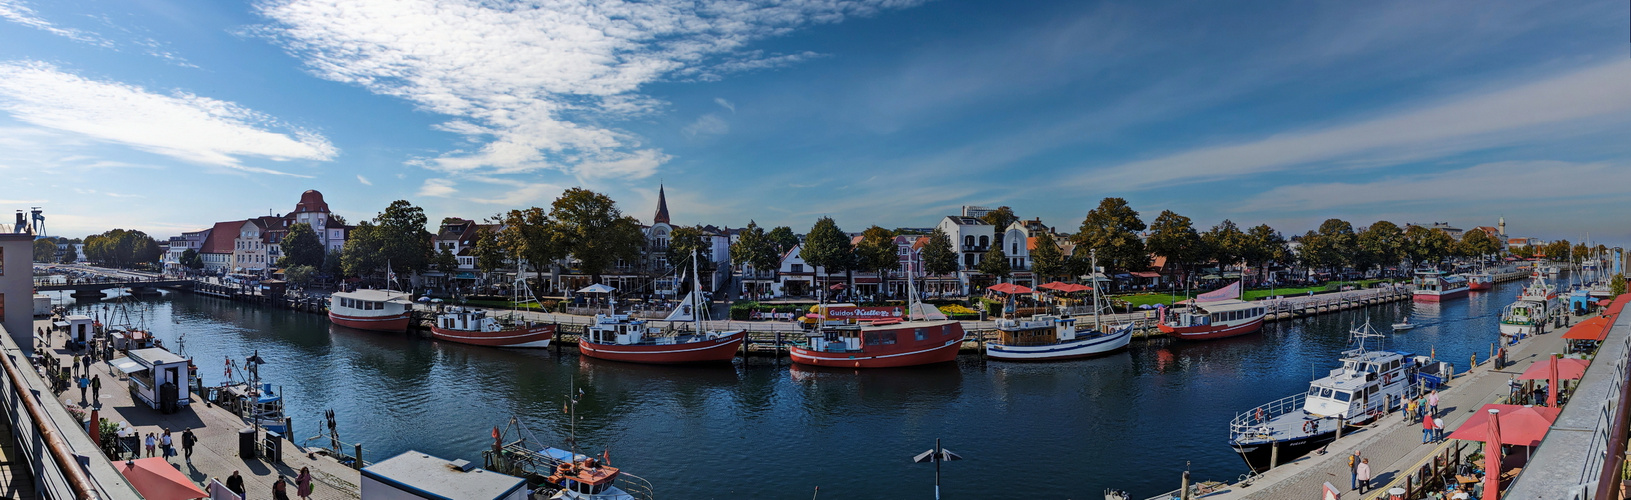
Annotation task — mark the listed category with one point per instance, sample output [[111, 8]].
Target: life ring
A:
[[1306, 425], [1260, 415]]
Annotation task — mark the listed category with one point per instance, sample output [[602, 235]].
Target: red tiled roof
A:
[[221, 237], [311, 201]]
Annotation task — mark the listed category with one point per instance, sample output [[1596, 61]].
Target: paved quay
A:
[[1392, 444], [216, 454]]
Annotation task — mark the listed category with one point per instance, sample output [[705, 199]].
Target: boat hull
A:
[[719, 350], [1075, 349], [534, 337], [1257, 455], [1440, 297], [1209, 332], [944, 353], [396, 323], [1478, 286], [1509, 330]]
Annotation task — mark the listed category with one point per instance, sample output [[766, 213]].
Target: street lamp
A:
[[936, 455]]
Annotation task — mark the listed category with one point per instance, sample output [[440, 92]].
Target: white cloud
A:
[[542, 80], [181, 125], [725, 104], [364, 180], [441, 188], [709, 124], [16, 12], [1464, 124], [1493, 185]]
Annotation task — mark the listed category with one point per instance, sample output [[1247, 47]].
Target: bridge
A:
[[95, 285]]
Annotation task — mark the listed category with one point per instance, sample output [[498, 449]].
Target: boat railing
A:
[[516, 459], [1251, 422]]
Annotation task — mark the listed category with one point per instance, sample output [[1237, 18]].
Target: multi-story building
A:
[[970, 239], [249, 247], [179, 245], [218, 247], [314, 211]]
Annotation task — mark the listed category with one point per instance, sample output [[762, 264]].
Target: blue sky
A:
[[167, 115]]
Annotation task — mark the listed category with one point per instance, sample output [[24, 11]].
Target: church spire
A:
[[662, 207]]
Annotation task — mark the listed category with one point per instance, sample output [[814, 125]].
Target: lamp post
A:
[[936, 455]]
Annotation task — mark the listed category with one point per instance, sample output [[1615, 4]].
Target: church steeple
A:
[[662, 207]]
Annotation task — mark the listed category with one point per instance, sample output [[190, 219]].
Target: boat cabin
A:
[[1436, 282], [620, 329], [1368, 383], [1227, 312], [78, 327], [159, 378], [467, 319], [1041, 329], [370, 303], [585, 477], [416, 476], [884, 335]]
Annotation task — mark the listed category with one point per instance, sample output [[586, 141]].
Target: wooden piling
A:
[[357, 464]]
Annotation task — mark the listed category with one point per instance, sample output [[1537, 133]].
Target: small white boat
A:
[[1403, 325]]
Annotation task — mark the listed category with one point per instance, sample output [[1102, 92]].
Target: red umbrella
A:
[[1009, 288], [1520, 425], [1079, 288], [1492, 457], [1056, 286], [1567, 369], [1551, 387], [1603, 302], [96, 427], [155, 479]]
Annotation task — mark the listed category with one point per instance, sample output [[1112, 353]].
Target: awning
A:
[[1595, 328], [154, 478], [1146, 274], [1567, 369], [129, 366], [60, 324], [1520, 425]]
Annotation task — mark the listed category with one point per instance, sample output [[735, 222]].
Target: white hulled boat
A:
[[1535, 306], [1050, 338]]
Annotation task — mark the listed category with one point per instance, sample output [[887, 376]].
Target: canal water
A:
[[1133, 420]]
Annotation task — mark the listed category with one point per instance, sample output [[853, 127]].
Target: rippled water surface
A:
[[1133, 420]]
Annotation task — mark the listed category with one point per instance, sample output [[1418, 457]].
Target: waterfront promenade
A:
[[216, 454], [1393, 444]]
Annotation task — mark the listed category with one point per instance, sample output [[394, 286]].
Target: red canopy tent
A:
[[1009, 288], [1056, 286], [1567, 369], [1520, 425], [156, 479], [1595, 328], [1078, 288], [1492, 454]]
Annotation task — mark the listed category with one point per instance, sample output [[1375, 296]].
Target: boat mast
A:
[[696, 294], [1093, 274]]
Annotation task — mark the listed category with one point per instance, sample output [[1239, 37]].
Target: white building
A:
[[970, 239]]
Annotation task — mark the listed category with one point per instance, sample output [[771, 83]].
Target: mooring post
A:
[[357, 464], [1183, 488], [1274, 456]]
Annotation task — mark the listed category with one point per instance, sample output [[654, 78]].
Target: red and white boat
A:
[[881, 344], [1214, 315], [1435, 286], [1480, 281], [376, 310], [616, 337], [475, 327]]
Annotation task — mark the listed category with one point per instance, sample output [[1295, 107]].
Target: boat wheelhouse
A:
[[880, 344], [1480, 281], [375, 310], [1367, 386], [1536, 305], [1436, 286], [475, 327], [1213, 320], [1050, 338]]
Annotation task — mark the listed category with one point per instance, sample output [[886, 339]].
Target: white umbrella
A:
[[597, 288]]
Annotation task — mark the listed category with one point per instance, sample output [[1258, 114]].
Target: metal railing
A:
[[1248, 423]]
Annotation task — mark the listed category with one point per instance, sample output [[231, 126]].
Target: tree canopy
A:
[[122, 248], [45, 250], [938, 257], [302, 248], [1112, 229], [395, 238], [827, 247], [783, 238], [995, 262], [1174, 237], [754, 248], [1047, 261], [594, 231], [1477, 243], [1225, 243], [686, 240], [1382, 243]]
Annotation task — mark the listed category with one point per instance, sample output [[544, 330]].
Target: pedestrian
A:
[[1410, 411], [1432, 403], [151, 442], [280, 489], [1363, 473], [1427, 433], [84, 384], [1438, 427], [96, 388], [235, 483], [303, 483], [187, 442], [1353, 469], [167, 444]]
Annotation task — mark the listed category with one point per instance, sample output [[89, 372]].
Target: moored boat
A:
[[880, 344], [1213, 320], [1436, 286], [1480, 281], [1049, 338], [616, 337], [1537, 304], [368, 309], [476, 327]]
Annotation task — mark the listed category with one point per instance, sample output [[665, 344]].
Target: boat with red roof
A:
[[1435, 286], [919, 335]]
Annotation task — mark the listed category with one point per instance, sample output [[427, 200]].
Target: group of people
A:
[[1424, 410], [280, 489], [161, 442]]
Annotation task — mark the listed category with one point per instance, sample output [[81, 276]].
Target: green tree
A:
[[1617, 287], [1224, 243], [45, 250], [403, 241], [123, 248], [1341, 241], [754, 248], [594, 231], [995, 263], [1437, 246], [333, 264], [686, 241], [445, 262], [938, 257], [999, 219], [72, 255], [526, 236], [827, 247], [877, 252], [1477, 243], [1263, 246], [1416, 245], [784, 239], [1174, 237], [1112, 229], [362, 256], [301, 247], [1383, 243], [300, 275], [490, 256], [1047, 261], [190, 259]]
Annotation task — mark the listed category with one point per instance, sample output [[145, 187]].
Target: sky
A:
[[167, 116]]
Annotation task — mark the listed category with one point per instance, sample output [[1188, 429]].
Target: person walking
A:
[[167, 444], [302, 483], [187, 442], [235, 483], [1432, 403], [96, 389], [1410, 411], [1353, 469], [1438, 428], [1427, 433], [84, 384], [1363, 473], [280, 489], [151, 442]]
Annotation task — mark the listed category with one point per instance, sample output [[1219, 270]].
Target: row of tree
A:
[[123, 248]]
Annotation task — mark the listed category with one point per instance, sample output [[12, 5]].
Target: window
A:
[[880, 338], [1343, 396], [1014, 248], [798, 268], [968, 241], [1313, 392], [921, 335], [985, 241], [1325, 392]]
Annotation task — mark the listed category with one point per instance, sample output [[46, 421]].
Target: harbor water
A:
[[1133, 420]]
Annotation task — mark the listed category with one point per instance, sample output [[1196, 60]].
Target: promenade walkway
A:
[[216, 454], [1394, 445]]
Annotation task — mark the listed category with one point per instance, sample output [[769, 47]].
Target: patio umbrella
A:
[[96, 426], [1492, 457], [1594, 328], [1567, 369], [837, 287], [424, 299], [1551, 382], [1056, 286], [1000, 287], [1520, 425], [1211, 277], [597, 288], [155, 479], [1603, 302]]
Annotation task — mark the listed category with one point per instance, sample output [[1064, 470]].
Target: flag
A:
[[1225, 293]]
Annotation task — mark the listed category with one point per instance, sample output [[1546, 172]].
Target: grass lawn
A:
[[1166, 298], [502, 304]]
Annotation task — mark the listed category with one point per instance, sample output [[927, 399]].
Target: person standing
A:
[[151, 442], [96, 388], [1438, 428], [1432, 403], [280, 489], [1353, 469], [1410, 411], [167, 444], [235, 483], [187, 442], [303, 483], [1363, 473], [1427, 433]]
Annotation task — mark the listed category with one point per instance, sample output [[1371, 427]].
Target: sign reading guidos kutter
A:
[[851, 312]]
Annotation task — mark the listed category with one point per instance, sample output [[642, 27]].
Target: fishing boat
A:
[[1213, 315], [243, 392], [1536, 305], [1480, 281], [561, 474], [923, 337], [1049, 338], [475, 327], [616, 337], [369, 309], [1433, 285], [1367, 386]]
